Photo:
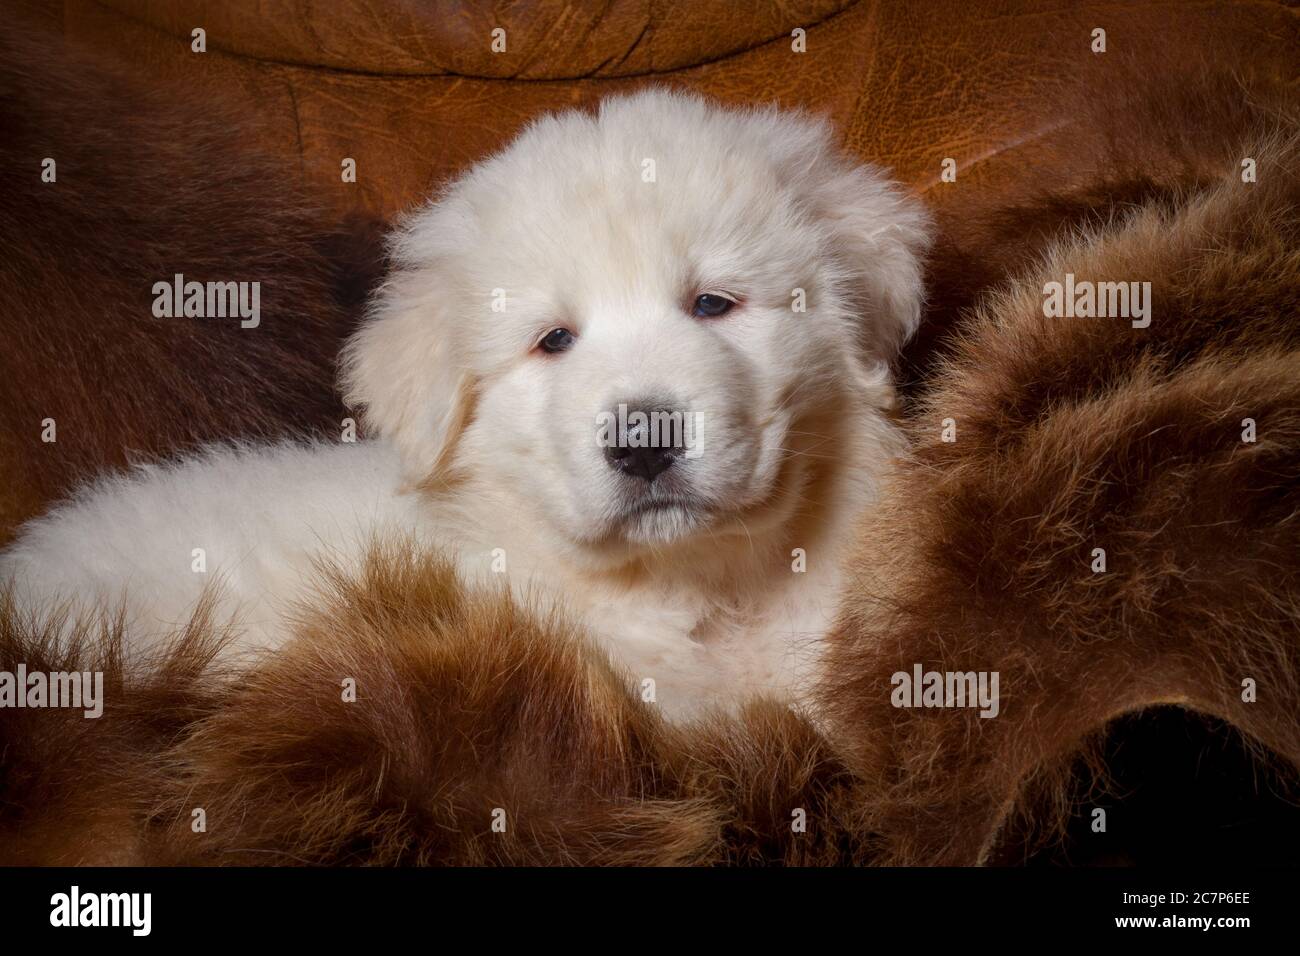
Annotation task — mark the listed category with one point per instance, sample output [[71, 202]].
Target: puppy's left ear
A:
[[403, 370], [405, 367], [879, 238]]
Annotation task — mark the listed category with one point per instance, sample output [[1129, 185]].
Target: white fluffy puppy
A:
[[726, 269]]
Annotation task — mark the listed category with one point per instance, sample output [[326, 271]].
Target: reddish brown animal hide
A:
[[1074, 434]]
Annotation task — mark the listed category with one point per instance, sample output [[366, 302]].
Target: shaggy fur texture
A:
[[1074, 434], [1071, 434], [147, 186], [464, 705]]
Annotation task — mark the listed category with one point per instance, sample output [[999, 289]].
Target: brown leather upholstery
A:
[[413, 92]]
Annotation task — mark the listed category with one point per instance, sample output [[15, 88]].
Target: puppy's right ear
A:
[[402, 368], [879, 234]]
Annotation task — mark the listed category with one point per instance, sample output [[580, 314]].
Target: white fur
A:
[[480, 442]]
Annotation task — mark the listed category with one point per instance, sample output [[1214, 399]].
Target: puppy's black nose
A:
[[644, 463], [647, 440]]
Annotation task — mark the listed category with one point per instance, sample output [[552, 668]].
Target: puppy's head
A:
[[626, 324]]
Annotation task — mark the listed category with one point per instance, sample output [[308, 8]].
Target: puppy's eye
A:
[[557, 340], [710, 306]]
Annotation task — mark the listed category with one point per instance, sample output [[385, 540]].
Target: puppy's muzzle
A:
[[650, 439]]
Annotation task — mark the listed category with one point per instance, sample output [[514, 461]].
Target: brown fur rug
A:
[[1075, 434], [1071, 434]]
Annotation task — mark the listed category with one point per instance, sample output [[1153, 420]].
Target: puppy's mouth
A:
[[660, 520], [656, 505], [669, 517]]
